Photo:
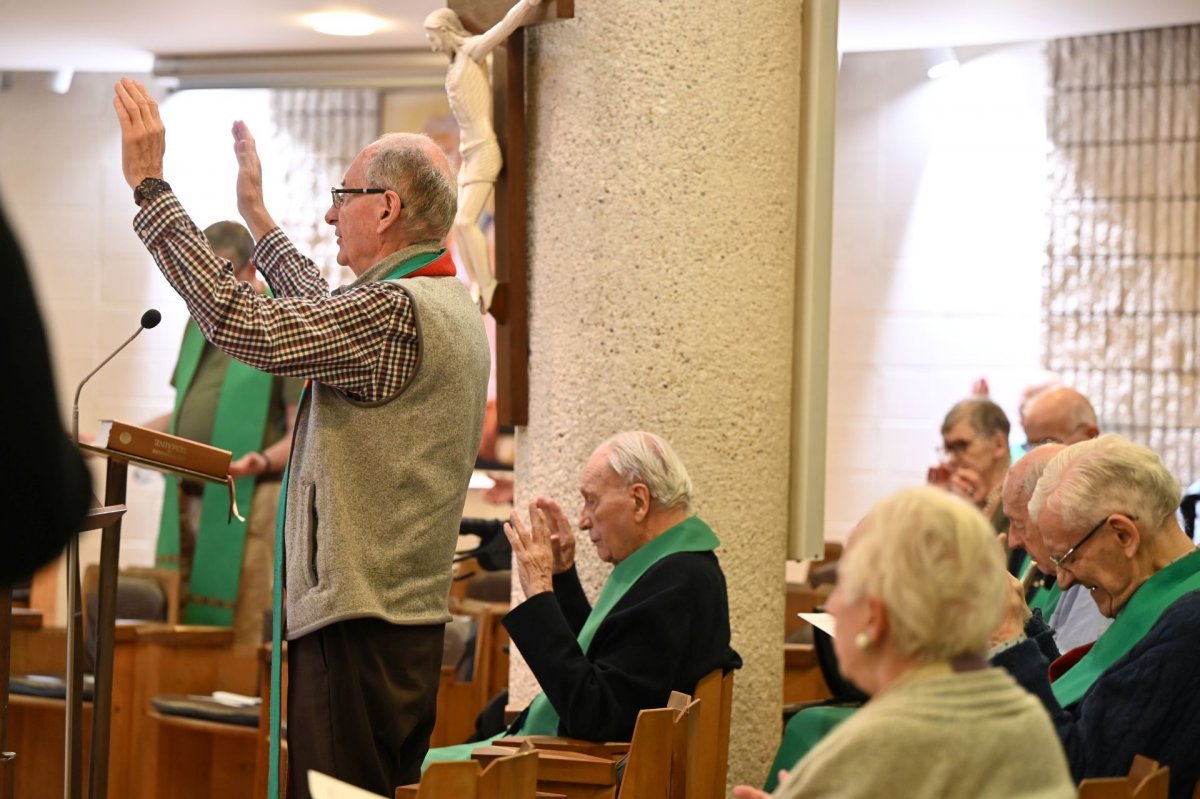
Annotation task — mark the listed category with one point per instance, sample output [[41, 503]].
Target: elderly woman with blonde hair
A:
[[921, 591]]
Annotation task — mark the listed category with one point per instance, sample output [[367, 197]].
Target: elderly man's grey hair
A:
[[641, 457], [1109, 474], [985, 416], [402, 162], [933, 560]]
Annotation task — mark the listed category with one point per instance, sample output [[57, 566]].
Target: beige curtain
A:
[[318, 132], [1121, 274]]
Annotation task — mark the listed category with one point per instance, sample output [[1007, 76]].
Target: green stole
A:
[[1140, 613], [1043, 599], [238, 425], [404, 269], [690, 535]]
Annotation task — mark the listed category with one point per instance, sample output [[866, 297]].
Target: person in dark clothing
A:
[[46, 495], [661, 622], [1106, 508]]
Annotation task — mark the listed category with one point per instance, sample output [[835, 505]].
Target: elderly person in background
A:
[[660, 623], [975, 443], [1058, 415], [919, 595], [1071, 613], [1106, 509]]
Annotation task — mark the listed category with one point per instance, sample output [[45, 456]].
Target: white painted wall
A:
[[940, 204]]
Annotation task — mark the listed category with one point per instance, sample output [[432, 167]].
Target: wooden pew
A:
[[513, 776], [802, 678], [37, 724], [1146, 780], [190, 758]]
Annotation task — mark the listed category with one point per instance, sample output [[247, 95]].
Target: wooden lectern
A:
[[108, 519]]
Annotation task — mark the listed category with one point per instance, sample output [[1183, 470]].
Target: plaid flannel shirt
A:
[[361, 339]]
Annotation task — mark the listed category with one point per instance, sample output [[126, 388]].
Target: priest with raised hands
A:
[[1106, 510], [661, 622]]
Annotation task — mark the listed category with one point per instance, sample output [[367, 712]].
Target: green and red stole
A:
[[429, 264], [1141, 612]]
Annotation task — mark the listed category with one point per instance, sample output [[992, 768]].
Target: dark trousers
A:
[[362, 700]]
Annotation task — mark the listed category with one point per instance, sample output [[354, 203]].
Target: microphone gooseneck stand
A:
[[102, 691]]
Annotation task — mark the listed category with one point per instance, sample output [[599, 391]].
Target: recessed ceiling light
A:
[[344, 23]]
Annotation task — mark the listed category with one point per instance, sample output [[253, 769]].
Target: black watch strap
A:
[[148, 189]]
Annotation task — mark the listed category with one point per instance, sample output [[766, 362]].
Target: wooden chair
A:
[[459, 701], [706, 752], [1146, 780], [715, 692], [513, 776]]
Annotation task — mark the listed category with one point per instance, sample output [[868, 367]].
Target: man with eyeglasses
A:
[[1058, 415], [386, 433], [1071, 613], [1106, 509], [976, 456]]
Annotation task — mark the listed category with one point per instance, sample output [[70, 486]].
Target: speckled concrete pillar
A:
[[662, 217]]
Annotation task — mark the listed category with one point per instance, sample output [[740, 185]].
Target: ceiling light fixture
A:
[[940, 62], [344, 23]]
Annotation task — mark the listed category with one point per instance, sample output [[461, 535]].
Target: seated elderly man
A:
[[661, 621], [975, 443], [1071, 614], [1058, 415], [1106, 510]]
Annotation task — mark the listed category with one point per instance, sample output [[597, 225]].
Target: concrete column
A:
[[662, 205]]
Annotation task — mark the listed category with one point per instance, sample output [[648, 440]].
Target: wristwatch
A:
[[148, 189]]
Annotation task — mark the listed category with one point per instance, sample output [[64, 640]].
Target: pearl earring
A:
[[862, 640]]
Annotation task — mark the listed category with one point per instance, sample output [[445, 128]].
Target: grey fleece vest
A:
[[376, 491]]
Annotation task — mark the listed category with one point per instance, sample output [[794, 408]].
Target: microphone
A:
[[149, 319]]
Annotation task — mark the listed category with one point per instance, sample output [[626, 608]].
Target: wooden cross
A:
[[508, 112]]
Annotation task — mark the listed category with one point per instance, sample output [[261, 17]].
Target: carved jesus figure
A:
[[470, 97]]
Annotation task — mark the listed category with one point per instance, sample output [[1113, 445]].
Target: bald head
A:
[[1061, 415], [1019, 485]]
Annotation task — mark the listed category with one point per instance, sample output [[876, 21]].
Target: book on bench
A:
[[164, 448]]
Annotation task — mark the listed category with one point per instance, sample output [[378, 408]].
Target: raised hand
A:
[[143, 136], [249, 182], [562, 537], [532, 550]]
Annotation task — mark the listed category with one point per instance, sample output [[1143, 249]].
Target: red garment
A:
[[1064, 662]]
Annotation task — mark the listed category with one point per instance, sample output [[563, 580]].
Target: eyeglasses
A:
[[950, 448], [1059, 561], [339, 195]]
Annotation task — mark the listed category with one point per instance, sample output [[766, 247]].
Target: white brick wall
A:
[[939, 241]]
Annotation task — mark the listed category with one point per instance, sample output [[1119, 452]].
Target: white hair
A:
[[933, 560], [641, 457], [1105, 475]]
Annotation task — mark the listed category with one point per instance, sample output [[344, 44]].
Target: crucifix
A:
[[492, 135]]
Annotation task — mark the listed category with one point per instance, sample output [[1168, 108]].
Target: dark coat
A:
[[1147, 703], [669, 629]]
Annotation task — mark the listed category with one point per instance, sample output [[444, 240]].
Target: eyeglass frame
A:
[[955, 447], [337, 195], [1059, 561]]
